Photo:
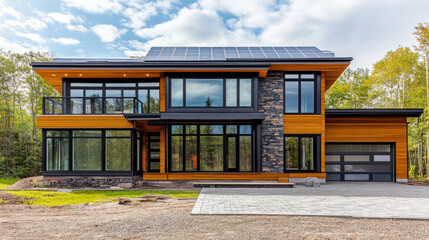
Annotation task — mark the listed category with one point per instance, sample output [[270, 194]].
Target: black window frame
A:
[[102, 172], [317, 92], [316, 150], [149, 150], [254, 92], [224, 137], [103, 81]]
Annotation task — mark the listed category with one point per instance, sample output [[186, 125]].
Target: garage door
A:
[[359, 162]]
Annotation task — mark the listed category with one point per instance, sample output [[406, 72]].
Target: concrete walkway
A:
[[344, 199]]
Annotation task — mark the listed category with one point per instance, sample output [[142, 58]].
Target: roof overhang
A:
[[386, 112], [255, 117]]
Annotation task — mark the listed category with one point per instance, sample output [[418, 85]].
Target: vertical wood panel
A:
[[162, 150], [162, 93], [144, 153]]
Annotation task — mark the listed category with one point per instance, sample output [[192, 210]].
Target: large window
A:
[[114, 97], [154, 152], [300, 93], [300, 153], [211, 92], [211, 148], [90, 150]]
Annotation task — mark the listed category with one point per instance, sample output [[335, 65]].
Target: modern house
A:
[[214, 113]]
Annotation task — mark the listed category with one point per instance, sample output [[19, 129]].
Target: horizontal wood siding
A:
[[162, 93], [372, 130], [228, 176], [82, 121], [302, 124]]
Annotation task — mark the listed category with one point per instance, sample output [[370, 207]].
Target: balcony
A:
[[97, 106]]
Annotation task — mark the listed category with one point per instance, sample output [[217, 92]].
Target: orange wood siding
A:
[[388, 129], [82, 121], [228, 176], [302, 124], [162, 157], [144, 152], [162, 93], [322, 111]]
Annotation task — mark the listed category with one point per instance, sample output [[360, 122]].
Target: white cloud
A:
[[8, 10], [107, 33], [78, 28], [32, 36], [95, 6], [21, 47], [66, 41], [31, 23], [64, 18], [131, 53]]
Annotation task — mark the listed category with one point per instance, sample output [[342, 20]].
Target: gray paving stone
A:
[[368, 200]]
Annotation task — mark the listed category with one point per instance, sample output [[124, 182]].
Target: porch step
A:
[[243, 184]]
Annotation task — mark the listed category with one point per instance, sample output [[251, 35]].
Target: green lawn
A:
[[51, 198], [6, 182]]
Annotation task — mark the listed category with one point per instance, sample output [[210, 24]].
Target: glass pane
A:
[[245, 129], [154, 101], [357, 148], [154, 137], [356, 177], [232, 153], [155, 166], [245, 153], [76, 93], [307, 97], [307, 153], [149, 84], [291, 97], [211, 153], [332, 158], [176, 129], [291, 153], [307, 76], [191, 129], [367, 168], [204, 92], [120, 84], [93, 93], [382, 177], [177, 153], [86, 133], [381, 158], [86, 84], [333, 168], [144, 105], [291, 76], [177, 92], [191, 153], [356, 158], [155, 155], [333, 177], [139, 153], [118, 133], [128, 105], [93, 105], [129, 93], [57, 133], [155, 145], [231, 129], [231, 92], [211, 129], [118, 154], [87, 154], [113, 105], [76, 105], [57, 154], [113, 93], [245, 92]]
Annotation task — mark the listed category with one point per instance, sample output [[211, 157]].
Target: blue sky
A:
[[363, 29]]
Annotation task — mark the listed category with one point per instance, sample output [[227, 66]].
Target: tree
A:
[[422, 36]]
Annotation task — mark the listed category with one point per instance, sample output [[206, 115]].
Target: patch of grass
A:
[[51, 198], [6, 182]]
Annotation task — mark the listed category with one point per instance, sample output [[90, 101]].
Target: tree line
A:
[[399, 80]]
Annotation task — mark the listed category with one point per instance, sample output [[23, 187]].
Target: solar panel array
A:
[[224, 53]]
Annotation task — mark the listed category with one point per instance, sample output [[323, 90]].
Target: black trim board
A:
[[382, 112]]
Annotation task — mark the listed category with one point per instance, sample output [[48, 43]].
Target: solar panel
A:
[[225, 53]]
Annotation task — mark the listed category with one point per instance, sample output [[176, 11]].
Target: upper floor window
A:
[[300, 93], [211, 92]]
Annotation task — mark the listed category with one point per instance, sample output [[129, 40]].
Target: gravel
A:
[[172, 220]]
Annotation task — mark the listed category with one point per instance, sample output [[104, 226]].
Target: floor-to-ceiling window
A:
[[211, 148], [301, 152]]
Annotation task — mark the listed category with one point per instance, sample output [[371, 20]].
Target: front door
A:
[[231, 154]]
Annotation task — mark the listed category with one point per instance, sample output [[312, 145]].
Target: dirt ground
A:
[[172, 220]]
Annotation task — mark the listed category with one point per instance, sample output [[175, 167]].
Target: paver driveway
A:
[[372, 200]]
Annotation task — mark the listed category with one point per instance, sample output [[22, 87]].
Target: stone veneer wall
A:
[[271, 102]]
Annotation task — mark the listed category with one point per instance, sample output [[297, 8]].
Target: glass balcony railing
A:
[[96, 105]]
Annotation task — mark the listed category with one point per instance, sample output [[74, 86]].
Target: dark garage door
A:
[[359, 162]]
